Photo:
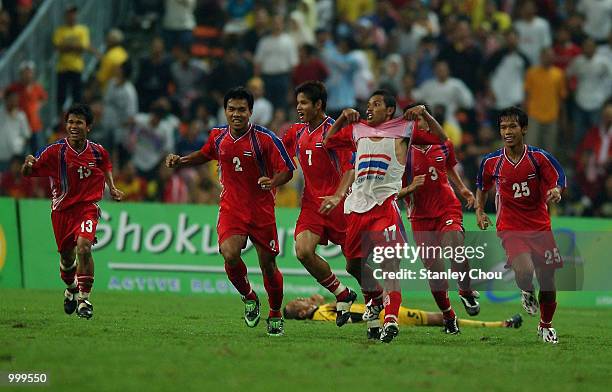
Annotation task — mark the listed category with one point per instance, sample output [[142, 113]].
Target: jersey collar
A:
[[520, 160], [250, 127], [75, 151]]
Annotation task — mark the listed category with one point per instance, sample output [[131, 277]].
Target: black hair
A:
[[310, 49], [314, 90], [80, 109], [126, 69], [387, 97], [238, 93], [513, 112]]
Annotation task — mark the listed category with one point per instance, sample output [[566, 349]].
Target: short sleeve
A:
[[47, 162], [451, 158], [209, 149], [484, 178], [290, 140], [551, 172], [106, 164], [343, 139], [278, 155]]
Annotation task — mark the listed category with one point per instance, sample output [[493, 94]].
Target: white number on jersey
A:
[[87, 226], [309, 153], [552, 257], [237, 166], [84, 172], [520, 190], [390, 233], [434, 173]]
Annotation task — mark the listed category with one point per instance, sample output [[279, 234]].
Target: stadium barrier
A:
[[35, 42], [148, 247]]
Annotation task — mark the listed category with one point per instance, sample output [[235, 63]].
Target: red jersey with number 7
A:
[[322, 167], [521, 187], [76, 177], [242, 161]]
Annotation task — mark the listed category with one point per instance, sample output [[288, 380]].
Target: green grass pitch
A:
[[155, 342]]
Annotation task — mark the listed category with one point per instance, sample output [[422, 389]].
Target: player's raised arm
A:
[[413, 114], [347, 117]]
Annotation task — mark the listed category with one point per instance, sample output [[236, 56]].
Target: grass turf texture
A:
[[164, 342]]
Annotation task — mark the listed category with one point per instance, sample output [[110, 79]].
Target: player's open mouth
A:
[[369, 116], [509, 139], [300, 115]]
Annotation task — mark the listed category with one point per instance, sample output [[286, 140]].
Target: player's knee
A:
[[230, 255], [83, 248], [304, 253]]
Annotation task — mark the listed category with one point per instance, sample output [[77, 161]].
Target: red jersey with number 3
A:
[[435, 197], [322, 167], [242, 161], [521, 187], [76, 177]]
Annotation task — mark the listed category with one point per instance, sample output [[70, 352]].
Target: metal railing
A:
[[35, 43]]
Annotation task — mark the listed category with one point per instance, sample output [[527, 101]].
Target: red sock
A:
[[237, 274], [393, 300], [333, 285], [443, 302], [274, 288], [547, 311], [68, 276], [85, 285], [375, 296]]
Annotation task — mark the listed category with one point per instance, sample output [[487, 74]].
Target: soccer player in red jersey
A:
[[435, 213], [327, 177], [371, 207], [252, 162], [526, 179], [78, 170]]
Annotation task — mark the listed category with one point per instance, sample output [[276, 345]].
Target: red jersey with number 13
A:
[[76, 177]]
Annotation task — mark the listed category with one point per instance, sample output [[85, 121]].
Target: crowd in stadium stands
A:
[[14, 16], [465, 59]]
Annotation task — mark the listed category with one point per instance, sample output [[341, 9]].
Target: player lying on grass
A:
[[315, 308], [78, 170]]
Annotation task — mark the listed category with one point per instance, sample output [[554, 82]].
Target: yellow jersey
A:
[[406, 316], [71, 35], [111, 59]]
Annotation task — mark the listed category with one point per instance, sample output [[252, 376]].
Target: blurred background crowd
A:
[[161, 77]]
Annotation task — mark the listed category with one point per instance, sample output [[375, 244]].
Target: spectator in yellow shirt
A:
[[71, 40], [114, 56], [545, 91]]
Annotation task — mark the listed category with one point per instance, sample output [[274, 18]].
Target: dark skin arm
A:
[[435, 128], [482, 219], [330, 202], [174, 161], [348, 116], [277, 180], [26, 168], [115, 193]]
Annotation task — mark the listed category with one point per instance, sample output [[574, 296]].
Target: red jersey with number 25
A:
[[322, 167], [435, 197], [242, 161], [76, 177], [521, 187]]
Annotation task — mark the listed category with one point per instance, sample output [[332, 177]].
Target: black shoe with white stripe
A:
[[343, 308]]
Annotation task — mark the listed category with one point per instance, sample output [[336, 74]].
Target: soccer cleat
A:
[[85, 309], [389, 332], [529, 302], [470, 303], [372, 311], [343, 314], [276, 326], [373, 329], [515, 321], [548, 335], [251, 312], [451, 327], [70, 301]]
